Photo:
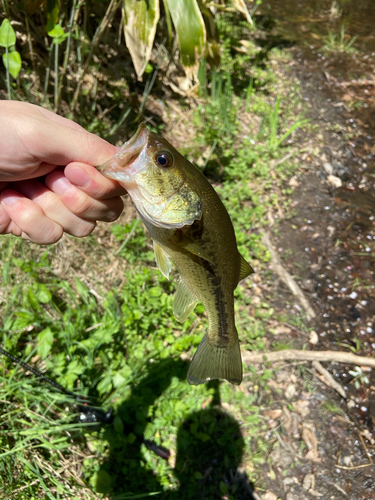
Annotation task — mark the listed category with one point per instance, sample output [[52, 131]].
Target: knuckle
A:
[[79, 205], [51, 203], [27, 213]]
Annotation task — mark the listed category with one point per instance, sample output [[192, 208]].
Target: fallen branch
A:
[[287, 278], [327, 379], [294, 354]]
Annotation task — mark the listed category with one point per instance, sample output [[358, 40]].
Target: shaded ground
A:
[[328, 244]]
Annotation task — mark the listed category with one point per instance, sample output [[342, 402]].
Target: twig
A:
[[328, 379], [288, 278], [293, 354], [337, 464], [339, 489], [284, 158]]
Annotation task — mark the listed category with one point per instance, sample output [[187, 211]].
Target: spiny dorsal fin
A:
[[162, 259], [245, 269], [184, 302], [212, 361]]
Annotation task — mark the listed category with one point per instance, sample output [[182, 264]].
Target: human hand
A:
[[39, 198]]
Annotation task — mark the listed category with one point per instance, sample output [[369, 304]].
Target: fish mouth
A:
[[119, 167]]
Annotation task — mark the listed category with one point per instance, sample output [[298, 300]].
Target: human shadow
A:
[[210, 446]]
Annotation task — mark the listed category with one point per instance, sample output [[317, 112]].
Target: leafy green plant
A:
[[141, 18], [359, 377], [11, 58], [58, 36]]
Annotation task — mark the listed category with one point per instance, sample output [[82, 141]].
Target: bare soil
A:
[[326, 442]]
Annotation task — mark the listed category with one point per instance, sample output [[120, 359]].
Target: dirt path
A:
[[328, 245]]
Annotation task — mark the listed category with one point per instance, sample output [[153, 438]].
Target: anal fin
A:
[[245, 269], [184, 302], [162, 259], [212, 361]]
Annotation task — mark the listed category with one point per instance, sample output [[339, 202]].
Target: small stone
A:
[[269, 495], [348, 460], [290, 391], [328, 168], [313, 339], [334, 181]]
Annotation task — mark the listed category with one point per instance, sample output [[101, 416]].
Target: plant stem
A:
[[73, 16], [47, 71], [7, 72], [30, 43], [107, 19], [56, 73]]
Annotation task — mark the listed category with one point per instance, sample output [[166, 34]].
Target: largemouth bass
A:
[[191, 228]]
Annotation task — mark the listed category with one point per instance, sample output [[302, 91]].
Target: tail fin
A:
[[211, 361]]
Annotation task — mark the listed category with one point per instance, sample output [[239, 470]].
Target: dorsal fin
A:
[[245, 269]]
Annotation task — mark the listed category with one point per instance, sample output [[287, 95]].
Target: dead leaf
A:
[[273, 413], [309, 437]]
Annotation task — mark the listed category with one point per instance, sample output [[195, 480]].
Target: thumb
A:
[[59, 144]]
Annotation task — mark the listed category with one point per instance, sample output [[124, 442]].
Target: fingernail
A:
[[61, 186], [10, 200], [79, 177]]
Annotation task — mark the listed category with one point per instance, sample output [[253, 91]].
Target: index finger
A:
[[92, 182]]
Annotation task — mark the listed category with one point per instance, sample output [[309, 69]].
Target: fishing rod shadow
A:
[[125, 470]]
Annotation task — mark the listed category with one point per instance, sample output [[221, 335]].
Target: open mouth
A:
[[119, 167]]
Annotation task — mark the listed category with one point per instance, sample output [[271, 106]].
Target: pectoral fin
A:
[[184, 302], [245, 269], [162, 259]]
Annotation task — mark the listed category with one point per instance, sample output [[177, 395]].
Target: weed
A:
[[337, 42], [330, 407], [360, 378]]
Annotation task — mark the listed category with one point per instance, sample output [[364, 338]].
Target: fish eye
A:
[[164, 159]]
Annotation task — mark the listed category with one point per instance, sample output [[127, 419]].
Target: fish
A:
[[190, 228]]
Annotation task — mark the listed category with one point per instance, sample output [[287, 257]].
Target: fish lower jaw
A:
[[123, 178]]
